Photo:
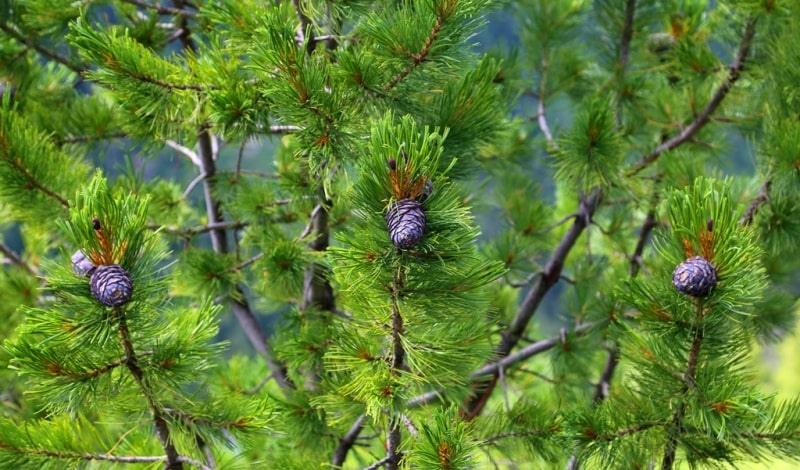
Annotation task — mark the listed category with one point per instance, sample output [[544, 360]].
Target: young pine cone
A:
[[405, 221], [81, 265], [111, 285], [695, 277]]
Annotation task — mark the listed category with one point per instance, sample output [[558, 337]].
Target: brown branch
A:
[[394, 436], [763, 197], [417, 58], [16, 259], [676, 427], [648, 225], [347, 442], [603, 386], [734, 71], [52, 55], [624, 52], [240, 307], [549, 277], [33, 183], [132, 364]]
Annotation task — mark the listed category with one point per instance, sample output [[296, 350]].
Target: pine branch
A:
[[676, 427], [418, 57], [317, 290], [192, 231], [505, 435], [347, 442], [549, 277], [603, 385], [397, 363], [33, 183], [703, 117], [527, 352], [132, 364], [763, 197], [241, 309], [380, 463], [88, 138], [644, 234], [540, 113], [16, 259], [52, 55], [305, 27], [110, 458], [624, 52], [162, 9]]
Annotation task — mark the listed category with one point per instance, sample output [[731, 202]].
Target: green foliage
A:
[[238, 159]]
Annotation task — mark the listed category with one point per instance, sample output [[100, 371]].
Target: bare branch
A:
[[206, 157], [549, 277], [186, 152], [347, 442]]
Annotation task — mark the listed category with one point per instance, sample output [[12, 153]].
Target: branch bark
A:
[[547, 279], [132, 363], [240, 307]]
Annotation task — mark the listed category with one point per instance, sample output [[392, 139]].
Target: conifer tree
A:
[[246, 234]]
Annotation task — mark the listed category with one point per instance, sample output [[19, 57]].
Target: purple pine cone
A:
[[111, 285], [405, 221], [695, 277], [82, 265]]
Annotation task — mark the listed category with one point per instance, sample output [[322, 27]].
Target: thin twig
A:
[[624, 53], [16, 259], [380, 463], [510, 360], [52, 55], [763, 197], [419, 57], [88, 138], [193, 156], [192, 185]]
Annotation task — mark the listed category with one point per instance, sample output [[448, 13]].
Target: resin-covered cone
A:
[[695, 277], [405, 221], [111, 285]]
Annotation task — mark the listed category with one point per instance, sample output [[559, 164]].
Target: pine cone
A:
[[405, 221], [111, 285], [695, 277], [81, 265]]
